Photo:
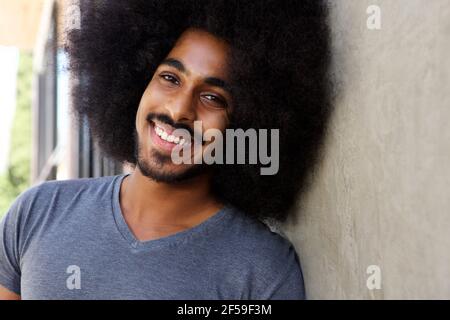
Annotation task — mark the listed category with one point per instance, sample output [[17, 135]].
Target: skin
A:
[[157, 209], [182, 92], [5, 294]]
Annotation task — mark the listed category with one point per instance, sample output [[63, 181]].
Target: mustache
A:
[[168, 120]]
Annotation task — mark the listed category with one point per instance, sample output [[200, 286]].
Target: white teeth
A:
[[168, 137]]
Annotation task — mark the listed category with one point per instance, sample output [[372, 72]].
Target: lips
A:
[[163, 131], [168, 129], [158, 141], [169, 137]]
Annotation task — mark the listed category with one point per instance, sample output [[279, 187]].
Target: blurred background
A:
[[375, 223], [39, 140]]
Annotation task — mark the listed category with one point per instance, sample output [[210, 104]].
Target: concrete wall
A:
[[381, 195]]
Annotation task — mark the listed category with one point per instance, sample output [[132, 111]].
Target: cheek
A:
[[216, 119], [147, 104]]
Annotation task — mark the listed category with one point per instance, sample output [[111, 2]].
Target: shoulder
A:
[[46, 198], [69, 186], [256, 239], [266, 256], [40, 207], [60, 191]]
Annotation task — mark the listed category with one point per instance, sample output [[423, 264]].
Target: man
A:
[[177, 231]]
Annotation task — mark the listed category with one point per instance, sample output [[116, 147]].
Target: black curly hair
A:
[[279, 75]]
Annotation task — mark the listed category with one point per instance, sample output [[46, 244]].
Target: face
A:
[[189, 85]]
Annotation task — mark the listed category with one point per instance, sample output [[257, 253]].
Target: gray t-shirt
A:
[[69, 240]]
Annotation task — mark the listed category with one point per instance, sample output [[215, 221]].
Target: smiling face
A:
[[189, 85]]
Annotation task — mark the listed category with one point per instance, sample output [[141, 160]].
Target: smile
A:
[[160, 132], [162, 137]]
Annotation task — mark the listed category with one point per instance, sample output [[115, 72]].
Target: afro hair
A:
[[279, 71]]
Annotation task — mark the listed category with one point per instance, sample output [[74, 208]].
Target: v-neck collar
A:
[[170, 240]]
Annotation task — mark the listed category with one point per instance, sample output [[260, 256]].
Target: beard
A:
[[155, 168]]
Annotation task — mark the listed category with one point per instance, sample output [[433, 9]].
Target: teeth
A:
[[168, 137]]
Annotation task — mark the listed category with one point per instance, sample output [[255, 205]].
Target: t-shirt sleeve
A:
[[289, 284], [9, 247]]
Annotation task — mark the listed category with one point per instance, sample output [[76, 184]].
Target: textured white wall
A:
[[381, 195]]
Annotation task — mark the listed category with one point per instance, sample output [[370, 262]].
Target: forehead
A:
[[201, 53]]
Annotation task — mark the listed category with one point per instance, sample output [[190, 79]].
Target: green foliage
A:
[[17, 177]]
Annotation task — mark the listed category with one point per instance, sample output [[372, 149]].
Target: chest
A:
[[92, 269]]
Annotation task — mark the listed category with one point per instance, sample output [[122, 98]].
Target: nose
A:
[[182, 107]]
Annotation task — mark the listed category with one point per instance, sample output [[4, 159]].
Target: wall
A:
[[19, 21], [381, 194]]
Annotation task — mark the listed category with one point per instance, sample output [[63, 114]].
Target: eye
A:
[[169, 78], [214, 100]]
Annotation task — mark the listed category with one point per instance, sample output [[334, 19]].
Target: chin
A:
[[169, 173]]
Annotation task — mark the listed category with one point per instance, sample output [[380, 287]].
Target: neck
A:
[[148, 202]]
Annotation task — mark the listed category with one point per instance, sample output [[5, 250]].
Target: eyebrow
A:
[[175, 63], [213, 81]]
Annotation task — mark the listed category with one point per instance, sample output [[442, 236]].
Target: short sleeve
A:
[[9, 254], [289, 285]]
